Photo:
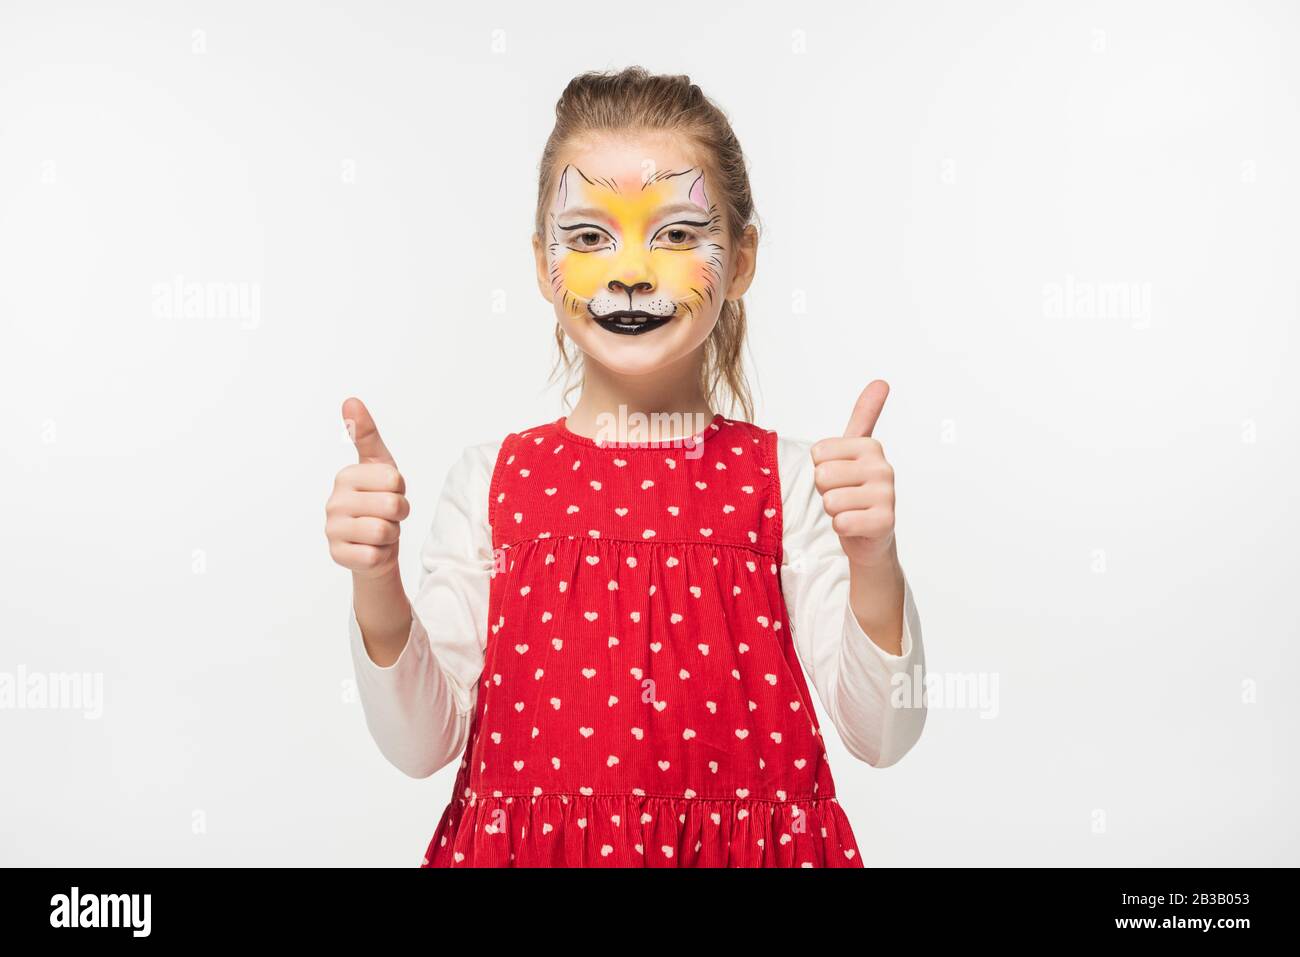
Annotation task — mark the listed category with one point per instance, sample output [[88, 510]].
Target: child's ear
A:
[[743, 263], [543, 274]]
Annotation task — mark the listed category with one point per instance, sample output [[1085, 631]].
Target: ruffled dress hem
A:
[[617, 830]]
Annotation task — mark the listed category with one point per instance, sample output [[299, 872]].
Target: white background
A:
[[1096, 505]]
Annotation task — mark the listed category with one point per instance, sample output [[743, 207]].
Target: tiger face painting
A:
[[634, 252]]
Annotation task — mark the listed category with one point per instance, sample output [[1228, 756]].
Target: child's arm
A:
[[853, 675], [419, 698]]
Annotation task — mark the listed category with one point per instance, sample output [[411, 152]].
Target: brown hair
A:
[[635, 99]]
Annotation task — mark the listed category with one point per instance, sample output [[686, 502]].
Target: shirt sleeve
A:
[[854, 677], [418, 709]]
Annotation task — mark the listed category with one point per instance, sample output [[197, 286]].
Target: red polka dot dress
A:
[[641, 702]]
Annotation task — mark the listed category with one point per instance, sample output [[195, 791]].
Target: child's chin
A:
[[631, 355]]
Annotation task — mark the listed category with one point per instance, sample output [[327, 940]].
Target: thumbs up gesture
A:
[[364, 512], [857, 483]]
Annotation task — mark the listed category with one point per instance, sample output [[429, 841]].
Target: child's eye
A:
[[587, 240], [676, 237]]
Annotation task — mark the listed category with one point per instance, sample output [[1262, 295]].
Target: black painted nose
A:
[[617, 286]]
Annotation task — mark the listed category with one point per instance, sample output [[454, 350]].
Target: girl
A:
[[614, 614]]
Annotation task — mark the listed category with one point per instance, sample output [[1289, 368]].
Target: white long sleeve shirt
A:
[[419, 708]]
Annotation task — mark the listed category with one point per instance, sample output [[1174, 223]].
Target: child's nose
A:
[[629, 288]]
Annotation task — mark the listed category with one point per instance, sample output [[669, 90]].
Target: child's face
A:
[[635, 252]]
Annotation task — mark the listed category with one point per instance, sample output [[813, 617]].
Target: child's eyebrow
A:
[[678, 208], [589, 211], [669, 210]]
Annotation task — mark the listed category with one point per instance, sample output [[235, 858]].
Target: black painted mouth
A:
[[630, 322]]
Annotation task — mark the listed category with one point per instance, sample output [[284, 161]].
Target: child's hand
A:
[[857, 483], [363, 513]]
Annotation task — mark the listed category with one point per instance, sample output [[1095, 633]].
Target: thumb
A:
[[867, 410], [370, 447]]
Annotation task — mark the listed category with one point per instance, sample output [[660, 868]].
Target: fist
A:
[[857, 483], [364, 512]]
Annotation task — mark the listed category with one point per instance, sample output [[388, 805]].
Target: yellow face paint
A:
[[634, 252]]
